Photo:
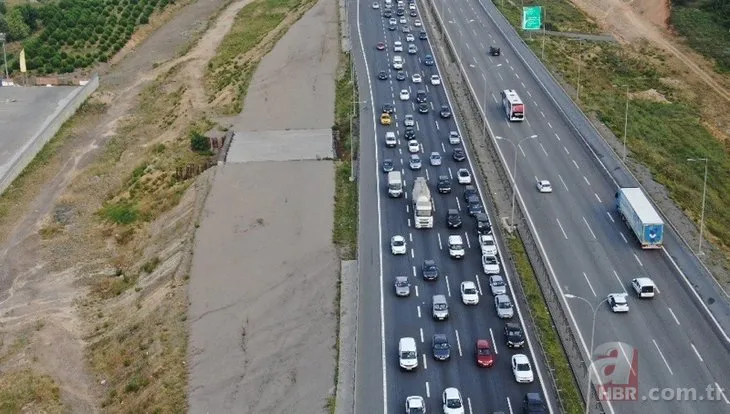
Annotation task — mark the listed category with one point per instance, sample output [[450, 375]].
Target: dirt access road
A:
[[41, 281]]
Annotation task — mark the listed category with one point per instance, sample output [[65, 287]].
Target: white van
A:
[[397, 62], [407, 353], [395, 184], [456, 246], [643, 287]]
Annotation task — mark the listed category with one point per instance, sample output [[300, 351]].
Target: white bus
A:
[[513, 106]]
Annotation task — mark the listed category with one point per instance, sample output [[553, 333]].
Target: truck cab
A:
[[423, 206]]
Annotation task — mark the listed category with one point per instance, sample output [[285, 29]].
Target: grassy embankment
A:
[[257, 28], [705, 24], [661, 134]]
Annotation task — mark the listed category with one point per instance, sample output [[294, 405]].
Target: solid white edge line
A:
[[380, 224], [481, 194]]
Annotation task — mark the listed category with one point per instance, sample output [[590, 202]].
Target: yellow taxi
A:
[[385, 119]]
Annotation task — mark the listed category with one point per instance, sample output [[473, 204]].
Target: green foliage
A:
[[3, 24], [707, 30], [120, 212], [199, 142], [17, 28]]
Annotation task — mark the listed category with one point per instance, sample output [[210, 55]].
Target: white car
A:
[[412, 49], [522, 369], [464, 176], [490, 264], [392, 21], [497, 285], [376, 5], [618, 302], [397, 46], [504, 307], [469, 293], [454, 138], [403, 20], [412, 6], [404, 95], [544, 186], [451, 399], [415, 405], [435, 159], [410, 37], [487, 244], [409, 121], [416, 78], [456, 246], [435, 80], [417, 23], [398, 244], [413, 146]]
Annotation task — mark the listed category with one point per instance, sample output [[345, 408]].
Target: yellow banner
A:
[[22, 60]]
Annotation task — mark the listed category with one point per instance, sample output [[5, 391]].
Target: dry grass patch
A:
[[29, 392]]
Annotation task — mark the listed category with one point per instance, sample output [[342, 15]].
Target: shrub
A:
[[199, 142]]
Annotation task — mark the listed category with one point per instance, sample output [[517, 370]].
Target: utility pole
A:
[[704, 195], [626, 120], [3, 37]]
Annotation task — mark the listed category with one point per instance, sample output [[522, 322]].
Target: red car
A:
[[380, 46], [483, 353]]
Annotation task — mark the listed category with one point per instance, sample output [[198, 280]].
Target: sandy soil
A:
[[39, 310], [293, 87], [265, 270]]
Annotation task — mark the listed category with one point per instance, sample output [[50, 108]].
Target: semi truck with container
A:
[[395, 184], [423, 206], [641, 217]]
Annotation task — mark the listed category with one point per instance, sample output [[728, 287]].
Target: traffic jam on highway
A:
[[446, 273]]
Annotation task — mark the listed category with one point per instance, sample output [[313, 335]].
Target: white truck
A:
[[641, 217], [423, 206], [395, 184]]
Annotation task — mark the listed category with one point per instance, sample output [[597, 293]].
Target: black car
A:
[[430, 270], [469, 191], [513, 335], [474, 205], [388, 165], [423, 108], [444, 184], [483, 224], [494, 51], [440, 347], [421, 96], [453, 218], [388, 108], [382, 75], [400, 75], [422, 35], [400, 11], [428, 60], [392, 27], [445, 112], [406, 29], [387, 13], [533, 404], [413, 13], [409, 133], [458, 155]]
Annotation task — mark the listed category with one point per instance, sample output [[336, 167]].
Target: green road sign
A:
[[532, 18]]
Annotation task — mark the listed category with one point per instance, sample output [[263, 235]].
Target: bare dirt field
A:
[[264, 276]]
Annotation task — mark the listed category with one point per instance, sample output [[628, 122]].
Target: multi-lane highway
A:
[[383, 317], [588, 250]]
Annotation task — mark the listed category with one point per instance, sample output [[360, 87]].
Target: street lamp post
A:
[[577, 86], [704, 195], [626, 121], [590, 351], [514, 172], [3, 37]]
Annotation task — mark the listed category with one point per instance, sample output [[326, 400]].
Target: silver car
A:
[[440, 308], [415, 162], [504, 307], [497, 285], [435, 159], [402, 286]]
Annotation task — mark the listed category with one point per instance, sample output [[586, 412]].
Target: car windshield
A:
[[401, 283], [441, 345], [490, 260], [523, 367], [485, 352], [470, 291], [514, 332], [439, 306], [505, 305], [497, 282], [408, 355], [398, 242], [453, 403]]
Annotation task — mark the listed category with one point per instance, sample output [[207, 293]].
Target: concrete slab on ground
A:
[[262, 291], [24, 111], [285, 145]]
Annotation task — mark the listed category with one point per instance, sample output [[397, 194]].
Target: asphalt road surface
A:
[[669, 344], [384, 318]]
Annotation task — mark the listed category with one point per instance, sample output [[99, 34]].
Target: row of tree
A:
[[720, 9]]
